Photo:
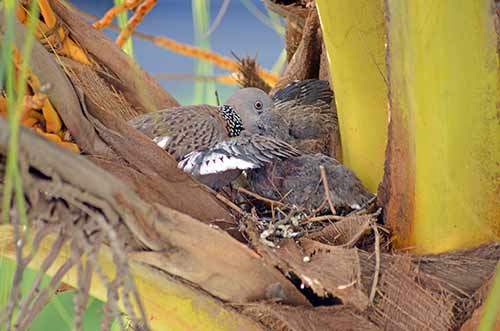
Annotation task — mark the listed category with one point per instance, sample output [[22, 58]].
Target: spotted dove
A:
[[214, 144], [303, 114]]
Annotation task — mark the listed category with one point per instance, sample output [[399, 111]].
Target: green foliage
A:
[[122, 19], [12, 178], [272, 20], [280, 63], [492, 305], [204, 92], [58, 314]]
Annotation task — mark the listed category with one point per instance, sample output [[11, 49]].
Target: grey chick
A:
[[298, 180], [214, 144]]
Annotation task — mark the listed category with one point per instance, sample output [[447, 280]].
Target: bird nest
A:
[[120, 222]]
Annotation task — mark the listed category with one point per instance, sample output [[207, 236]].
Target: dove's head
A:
[[250, 103]]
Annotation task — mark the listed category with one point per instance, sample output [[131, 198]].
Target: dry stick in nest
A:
[[320, 207], [261, 198], [370, 223], [324, 218], [327, 189], [230, 204], [376, 274], [357, 236]]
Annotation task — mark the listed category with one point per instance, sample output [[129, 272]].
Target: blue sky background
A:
[[240, 31]]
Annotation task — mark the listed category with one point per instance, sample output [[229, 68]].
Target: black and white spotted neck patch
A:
[[234, 125]]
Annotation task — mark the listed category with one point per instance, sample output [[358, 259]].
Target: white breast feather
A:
[[162, 141]]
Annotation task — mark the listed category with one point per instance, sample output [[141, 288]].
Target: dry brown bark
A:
[[434, 292], [305, 62], [336, 318], [473, 318], [61, 93], [175, 242], [102, 133]]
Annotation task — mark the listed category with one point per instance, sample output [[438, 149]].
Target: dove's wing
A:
[[306, 106], [181, 130], [304, 92], [242, 153]]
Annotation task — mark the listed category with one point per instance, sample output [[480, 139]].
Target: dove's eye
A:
[[258, 105]]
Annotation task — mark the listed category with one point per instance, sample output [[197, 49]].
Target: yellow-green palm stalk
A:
[[204, 92], [280, 63], [443, 171], [170, 304], [491, 313], [441, 187], [354, 37], [272, 19], [122, 19]]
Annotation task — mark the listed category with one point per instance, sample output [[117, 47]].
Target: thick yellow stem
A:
[[442, 182], [169, 304], [354, 36]]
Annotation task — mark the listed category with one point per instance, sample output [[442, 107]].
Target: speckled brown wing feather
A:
[[184, 129], [306, 106], [308, 121], [304, 92]]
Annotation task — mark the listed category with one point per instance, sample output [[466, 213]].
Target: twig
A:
[[285, 196], [364, 207], [230, 204], [261, 198], [324, 218], [317, 210], [358, 235], [327, 189], [377, 260], [217, 98]]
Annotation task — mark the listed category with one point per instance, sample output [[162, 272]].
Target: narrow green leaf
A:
[[122, 19], [492, 305], [204, 92]]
